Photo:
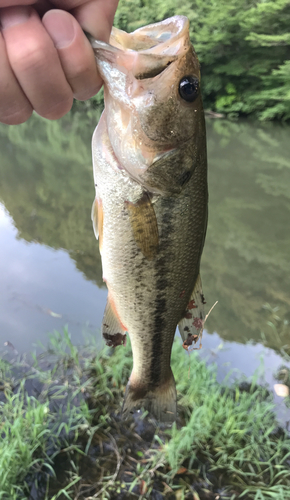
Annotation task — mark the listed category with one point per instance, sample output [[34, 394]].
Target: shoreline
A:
[[73, 395]]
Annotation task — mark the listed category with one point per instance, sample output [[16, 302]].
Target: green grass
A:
[[24, 432], [70, 442], [234, 431]]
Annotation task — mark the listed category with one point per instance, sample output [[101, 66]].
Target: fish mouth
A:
[[141, 65], [148, 51], [162, 38]]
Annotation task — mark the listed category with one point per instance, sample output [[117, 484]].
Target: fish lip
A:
[[168, 49], [177, 27]]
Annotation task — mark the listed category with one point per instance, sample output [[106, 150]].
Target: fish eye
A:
[[188, 88]]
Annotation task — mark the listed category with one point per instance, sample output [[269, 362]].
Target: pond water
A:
[[50, 268]]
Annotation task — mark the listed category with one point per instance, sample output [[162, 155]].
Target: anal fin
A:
[[191, 325], [112, 330]]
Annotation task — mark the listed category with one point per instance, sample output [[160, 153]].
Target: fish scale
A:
[[153, 214]]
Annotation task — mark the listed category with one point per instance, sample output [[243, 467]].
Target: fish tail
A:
[[159, 400]]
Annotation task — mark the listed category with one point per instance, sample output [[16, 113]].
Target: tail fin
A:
[[159, 400]]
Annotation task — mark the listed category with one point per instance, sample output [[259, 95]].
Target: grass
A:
[[24, 431], [62, 436]]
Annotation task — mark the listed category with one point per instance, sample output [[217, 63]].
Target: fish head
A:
[[153, 102]]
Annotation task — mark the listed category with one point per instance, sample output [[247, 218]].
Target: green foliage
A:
[[24, 430], [231, 428], [34, 432], [243, 47], [229, 440]]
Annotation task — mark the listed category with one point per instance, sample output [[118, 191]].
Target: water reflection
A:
[[246, 259], [41, 290], [46, 185]]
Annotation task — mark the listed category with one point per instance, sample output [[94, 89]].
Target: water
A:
[[50, 269]]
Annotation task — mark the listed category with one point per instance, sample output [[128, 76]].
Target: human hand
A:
[[45, 58]]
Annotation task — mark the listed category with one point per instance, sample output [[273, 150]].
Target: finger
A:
[[10, 3], [35, 63], [42, 6], [14, 106], [75, 53], [95, 16]]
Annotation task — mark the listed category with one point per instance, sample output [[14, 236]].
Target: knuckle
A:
[[15, 117], [82, 68], [58, 109], [30, 55]]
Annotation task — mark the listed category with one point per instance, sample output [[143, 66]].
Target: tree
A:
[[243, 47]]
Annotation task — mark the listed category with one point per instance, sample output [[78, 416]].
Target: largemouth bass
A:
[[150, 210]]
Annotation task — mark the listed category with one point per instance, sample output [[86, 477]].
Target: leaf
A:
[[54, 314], [179, 494], [181, 470], [143, 487]]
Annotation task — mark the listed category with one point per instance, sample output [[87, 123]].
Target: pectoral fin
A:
[[112, 328], [97, 218], [144, 225], [191, 325]]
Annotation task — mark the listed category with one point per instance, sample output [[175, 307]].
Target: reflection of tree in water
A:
[[246, 259], [46, 184]]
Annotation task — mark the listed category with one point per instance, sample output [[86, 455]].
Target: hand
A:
[[46, 61]]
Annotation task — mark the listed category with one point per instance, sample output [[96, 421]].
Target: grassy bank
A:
[[62, 436]]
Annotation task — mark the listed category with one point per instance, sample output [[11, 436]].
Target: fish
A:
[[151, 203]]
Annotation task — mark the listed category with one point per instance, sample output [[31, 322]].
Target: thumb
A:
[[96, 17]]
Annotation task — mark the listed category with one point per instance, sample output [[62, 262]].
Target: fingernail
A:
[[60, 28], [11, 16]]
